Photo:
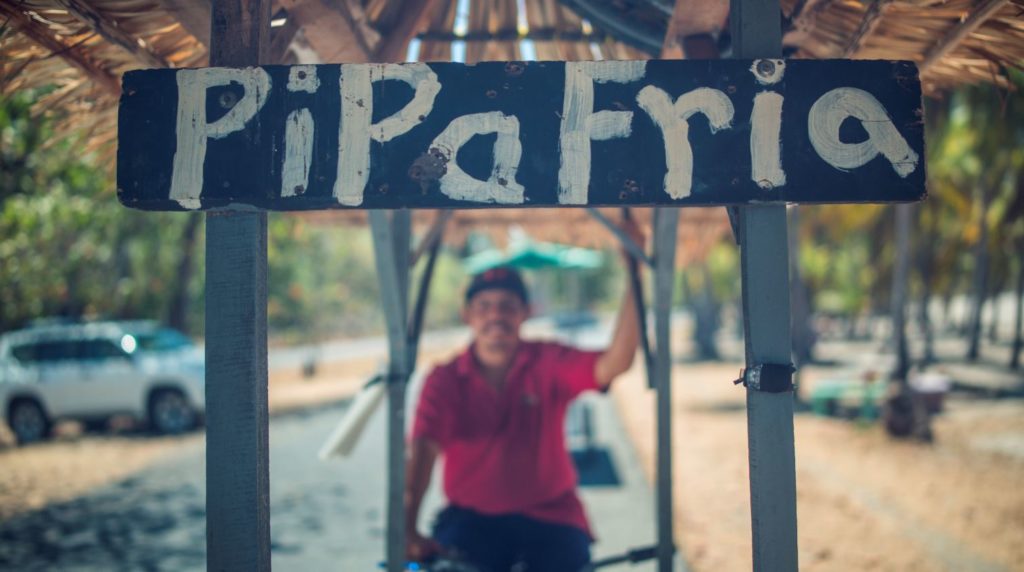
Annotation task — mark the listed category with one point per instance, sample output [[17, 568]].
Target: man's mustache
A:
[[502, 325]]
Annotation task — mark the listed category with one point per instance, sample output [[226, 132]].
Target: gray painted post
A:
[[391, 247], [764, 259], [237, 454], [666, 223]]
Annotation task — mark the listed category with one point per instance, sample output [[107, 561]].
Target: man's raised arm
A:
[[618, 356]]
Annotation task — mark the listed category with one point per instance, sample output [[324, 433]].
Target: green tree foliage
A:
[[983, 153], [323, 280], [66, 246], [975, 162]]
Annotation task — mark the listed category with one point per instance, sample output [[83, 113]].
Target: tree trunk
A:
[[925, 321], [952, 323], [899, 293], [993, 325], [707, 320], [802, 333], [926, 269], [177, 314], [1017, 339], [980, 281], [905, 414]]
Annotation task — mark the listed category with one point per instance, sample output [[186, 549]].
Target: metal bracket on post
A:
[[768, 377]]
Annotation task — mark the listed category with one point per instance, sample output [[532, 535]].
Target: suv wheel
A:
[[28, 421], [170, 413]]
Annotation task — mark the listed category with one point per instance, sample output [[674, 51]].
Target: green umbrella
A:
[[530, 255]]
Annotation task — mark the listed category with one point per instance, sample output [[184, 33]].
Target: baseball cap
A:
[[502, 278]]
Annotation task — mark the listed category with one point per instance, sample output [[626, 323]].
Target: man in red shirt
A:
[[497, 414]]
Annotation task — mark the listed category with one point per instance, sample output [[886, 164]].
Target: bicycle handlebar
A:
[[632, 556]]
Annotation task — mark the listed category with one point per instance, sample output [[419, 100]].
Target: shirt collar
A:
[[466, 366]]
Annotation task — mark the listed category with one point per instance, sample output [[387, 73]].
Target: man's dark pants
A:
[[495, 543]]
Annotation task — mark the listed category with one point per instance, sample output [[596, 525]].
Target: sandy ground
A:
[[865, 502], [74, 463]]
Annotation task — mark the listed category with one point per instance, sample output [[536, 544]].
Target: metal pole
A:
[[764, 259], [625, 240], [237, 454], [901, 271], [391, 248], [419, 309], [633, 267], [665, 226]]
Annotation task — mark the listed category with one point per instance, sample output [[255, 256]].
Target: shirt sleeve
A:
[[434, 418], [574, 370]]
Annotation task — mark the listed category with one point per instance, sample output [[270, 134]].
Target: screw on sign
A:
[[522, 134]]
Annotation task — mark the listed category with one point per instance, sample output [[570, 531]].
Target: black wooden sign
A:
[[447, 135]]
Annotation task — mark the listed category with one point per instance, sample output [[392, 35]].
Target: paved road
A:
[[324, 515], [357, 348]]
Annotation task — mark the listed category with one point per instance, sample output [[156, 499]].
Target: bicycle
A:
[[453, 563]]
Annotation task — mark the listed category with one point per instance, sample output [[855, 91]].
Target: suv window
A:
[[98, 350], [163, 339], [45, 352]]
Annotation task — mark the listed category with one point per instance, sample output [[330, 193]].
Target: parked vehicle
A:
[[92, 371]]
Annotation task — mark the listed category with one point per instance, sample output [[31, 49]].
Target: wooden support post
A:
[[764, 259], [665, 229], [391, 247], [237, 452]]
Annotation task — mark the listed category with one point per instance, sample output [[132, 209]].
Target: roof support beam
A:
[[193, 15], [414, 16], [512, 35], [802, 20], [872, 18], [694, 28], [109, 30], [605, 18], [69, 53], [959, 33], [280, 40], [363, 33], [328, 30]]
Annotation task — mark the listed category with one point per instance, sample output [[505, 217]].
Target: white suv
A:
[[92, 371]]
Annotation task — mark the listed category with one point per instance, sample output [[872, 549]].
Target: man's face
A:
[[495, 316]]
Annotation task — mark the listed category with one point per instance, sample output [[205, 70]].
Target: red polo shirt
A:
[[504, 450]]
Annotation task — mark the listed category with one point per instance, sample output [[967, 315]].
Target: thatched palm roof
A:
[[82, 47], [953, 41]]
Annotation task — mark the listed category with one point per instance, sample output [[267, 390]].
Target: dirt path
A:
[[74, 463], [864, 501]]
